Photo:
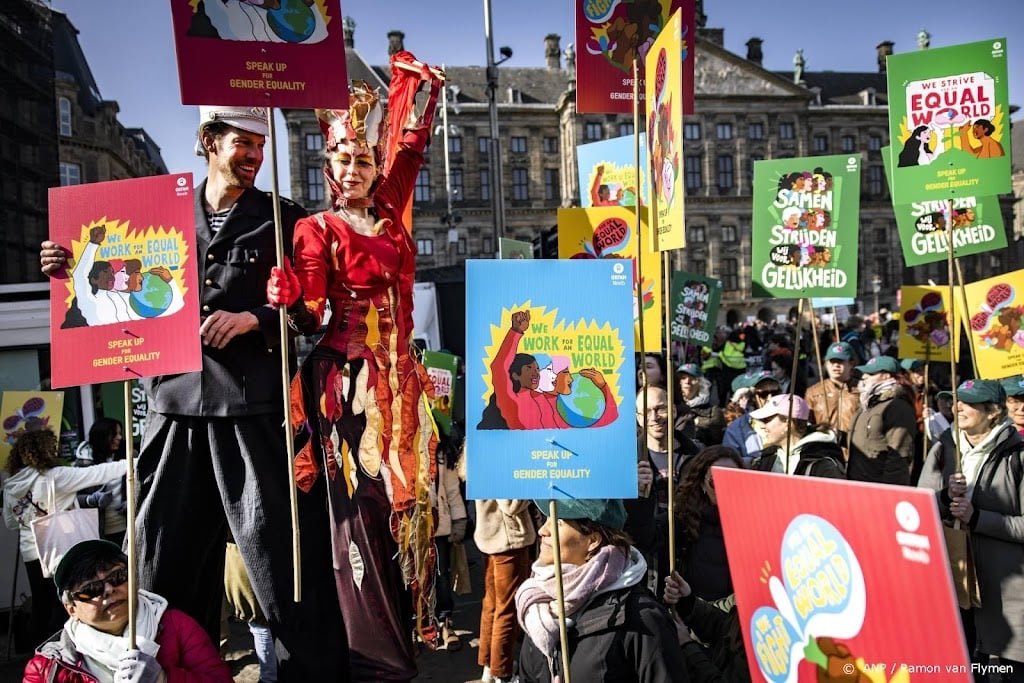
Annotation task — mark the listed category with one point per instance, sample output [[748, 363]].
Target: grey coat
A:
[[997, 536]]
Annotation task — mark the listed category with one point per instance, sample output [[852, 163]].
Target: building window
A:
[[723, 131], [483, 146], [787, 131], [875, 143], [593, 131], [730, 275], [695, 233], [70, 174], [692, 170], [751, 160], [425, 247], [551, 184], [729, 233], [726, 179], [460, 246], [691, 131], [485, 184], [520, 184], [518, 145], [455, 144], [487, 245], [314, 184], [820, 143], [625, 129], [422, 186], [314, 142], [881, 236], [64, 106], [876, 180], [847, 143], [551, 145], [458, 189], [755, 131], [699, 267]]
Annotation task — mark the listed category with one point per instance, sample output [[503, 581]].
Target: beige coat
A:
[[503, 525], [450, 505]]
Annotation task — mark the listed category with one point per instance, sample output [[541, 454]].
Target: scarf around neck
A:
[[866, 396], [104, 648], [973, 457], [537, 597]]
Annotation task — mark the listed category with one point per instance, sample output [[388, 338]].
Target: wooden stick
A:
[[133, 555], [556, 545], [817, 355], [669, 386], [792, 378], [285, 375], [963, 300], [417, 66], [638, 288]]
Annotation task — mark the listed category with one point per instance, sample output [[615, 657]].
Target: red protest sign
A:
[[127, 305], [238, 53]]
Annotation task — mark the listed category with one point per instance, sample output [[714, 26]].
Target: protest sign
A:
[[995, 309], [695, 301], [127, 305], [442, 368], [549, 380], [607, 172]]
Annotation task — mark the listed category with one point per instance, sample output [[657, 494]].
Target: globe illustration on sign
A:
[[153, 299], [293, 21], [584, 405]]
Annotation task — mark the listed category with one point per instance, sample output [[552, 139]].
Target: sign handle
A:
[[133, 559], [670, 382], [563, 634]]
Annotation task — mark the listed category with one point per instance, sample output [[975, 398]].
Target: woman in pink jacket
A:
[[170, 646]]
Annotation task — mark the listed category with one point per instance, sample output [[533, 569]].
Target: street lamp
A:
[[876, 287], [497, 194]]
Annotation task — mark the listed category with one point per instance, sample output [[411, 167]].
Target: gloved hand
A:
[[283, 287], [98, 499], [135, 666], [458, 533]]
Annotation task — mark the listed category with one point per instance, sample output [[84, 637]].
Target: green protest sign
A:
[[805, 227], [694, 308], [949, 122], [442, 368], [977, 224]]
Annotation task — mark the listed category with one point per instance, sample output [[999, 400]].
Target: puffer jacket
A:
[[623, 636], [881, 444], [186, 656], [997, 536]]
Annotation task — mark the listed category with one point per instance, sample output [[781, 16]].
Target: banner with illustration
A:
[[610, 35], [924, 323], [549, 380], [977, 224], [805, 227], [442, 368], [695, 308], [607, 172], [835, 579], [609, 233], [949, 105], [268, 54], [28, 411], [664, 97], [127, 304], [510, 248], [995, 309]]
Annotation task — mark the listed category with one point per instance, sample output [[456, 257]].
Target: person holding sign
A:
[[985, 494], [621, 632], [213, 453], [361, 396], [92, 579]]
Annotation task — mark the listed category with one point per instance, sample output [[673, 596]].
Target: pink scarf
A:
[[536, 599], [866, 396]]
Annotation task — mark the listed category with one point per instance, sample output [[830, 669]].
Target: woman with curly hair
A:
[[36, 471], [699, 539]]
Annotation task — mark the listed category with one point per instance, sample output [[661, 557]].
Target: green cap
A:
[[840, 350], [1013, 386], [880, 364], [690, 369], [909, 364], [981, 391], [607, 512]]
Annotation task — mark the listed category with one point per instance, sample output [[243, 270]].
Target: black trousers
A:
[[200, 477]]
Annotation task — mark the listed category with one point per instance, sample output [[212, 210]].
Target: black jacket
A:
[[244, 378], [623, 636]]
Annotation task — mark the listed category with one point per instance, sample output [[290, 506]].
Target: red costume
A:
[[360, 397]]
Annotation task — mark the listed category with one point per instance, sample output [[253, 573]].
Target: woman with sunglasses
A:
[[92, 579], [740, 434]]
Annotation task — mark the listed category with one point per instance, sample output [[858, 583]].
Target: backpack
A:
[[821, 460]]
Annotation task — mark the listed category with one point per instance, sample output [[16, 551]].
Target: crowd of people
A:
[[380, 499]]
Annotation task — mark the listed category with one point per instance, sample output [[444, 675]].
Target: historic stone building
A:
[[744, 113]]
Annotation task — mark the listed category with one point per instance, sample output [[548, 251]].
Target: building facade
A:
[[744, 113]]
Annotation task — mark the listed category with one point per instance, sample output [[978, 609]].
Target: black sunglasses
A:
[[768, 393], [95, 589]]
